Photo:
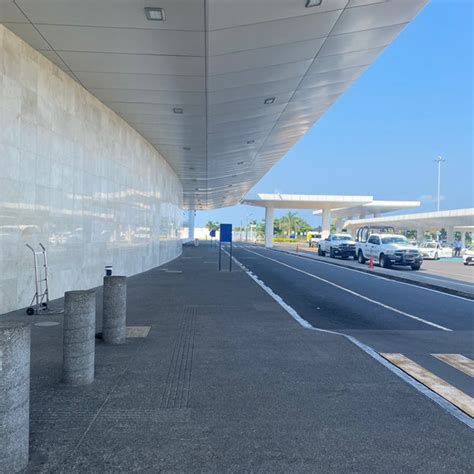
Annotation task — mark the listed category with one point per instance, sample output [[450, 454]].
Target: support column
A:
[[269, 227], [463, 239], [114, 309], [450, 235], [191, 224], [339, 224], [420, 234], [79, 337], [325, 223], [15, 344]]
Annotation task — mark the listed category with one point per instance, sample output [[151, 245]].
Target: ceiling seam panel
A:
[[47, 42], [309, 67]]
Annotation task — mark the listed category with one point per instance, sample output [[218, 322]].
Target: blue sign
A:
[[212, 233], [226, 233]]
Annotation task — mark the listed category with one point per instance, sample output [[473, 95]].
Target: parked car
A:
[[388, 250], [338, 245], [468, 256], [433, 250], [313, 238]]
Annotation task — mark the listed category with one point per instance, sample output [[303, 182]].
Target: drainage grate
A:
[[178, 382], [138, 331]]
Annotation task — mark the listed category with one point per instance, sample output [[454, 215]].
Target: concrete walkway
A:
[[226, 381]]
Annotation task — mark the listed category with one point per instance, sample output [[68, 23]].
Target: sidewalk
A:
[[227, 381]]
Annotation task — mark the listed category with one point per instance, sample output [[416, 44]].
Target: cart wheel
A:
[[30, 311]]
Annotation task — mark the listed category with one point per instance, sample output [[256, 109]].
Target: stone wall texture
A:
[[76, 177]]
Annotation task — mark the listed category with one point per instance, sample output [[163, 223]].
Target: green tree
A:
[[211, 225], [290, 222]]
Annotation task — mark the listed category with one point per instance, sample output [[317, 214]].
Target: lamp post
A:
[[439, 159]]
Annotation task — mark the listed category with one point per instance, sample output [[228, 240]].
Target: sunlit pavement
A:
[[389, 316], [449, 274], [228, 381]]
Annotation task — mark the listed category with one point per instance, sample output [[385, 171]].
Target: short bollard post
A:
[[114, 309], [15, 344], [79, 337]]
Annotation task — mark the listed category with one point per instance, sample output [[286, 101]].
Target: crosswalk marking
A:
[[458, 361], [455, 396]]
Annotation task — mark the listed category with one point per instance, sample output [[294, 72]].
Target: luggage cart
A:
[[41, 296]]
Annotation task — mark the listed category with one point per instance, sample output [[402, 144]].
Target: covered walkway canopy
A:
[[374, 208], [460, 220], [325, 203]]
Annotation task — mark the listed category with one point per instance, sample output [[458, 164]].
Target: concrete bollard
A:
[[15, 346], [114, 309], [79, 337]]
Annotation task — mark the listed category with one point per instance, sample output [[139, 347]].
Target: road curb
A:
[[431, 286]]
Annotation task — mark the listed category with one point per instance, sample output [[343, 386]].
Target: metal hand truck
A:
[[41, 296]]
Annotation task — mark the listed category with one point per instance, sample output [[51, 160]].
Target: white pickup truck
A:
[[338, 245], [388, 250]]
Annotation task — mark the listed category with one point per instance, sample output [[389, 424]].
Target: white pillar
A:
[[450, 235], [269, 227], [463, 239], [420, 234], [339, 223], [326, 223], [191, 224]]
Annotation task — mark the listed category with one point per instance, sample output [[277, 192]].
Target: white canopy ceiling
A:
[[374, 207], [218, 62], [305, 201], [458, 218]]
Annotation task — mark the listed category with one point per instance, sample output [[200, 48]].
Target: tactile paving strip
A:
[[178, 383]]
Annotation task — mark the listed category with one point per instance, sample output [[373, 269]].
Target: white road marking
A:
[[457, 397], [343, 267], [458, 361], [354, 293], [447, 406]]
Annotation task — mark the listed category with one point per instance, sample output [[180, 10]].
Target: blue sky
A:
[[381, 137]]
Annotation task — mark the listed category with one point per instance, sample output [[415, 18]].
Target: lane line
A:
[[458, 361], [458, 398], [443, 403], [308, 256], [354, 293]]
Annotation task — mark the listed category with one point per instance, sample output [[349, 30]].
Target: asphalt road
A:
[[388, 316], [445, 270]]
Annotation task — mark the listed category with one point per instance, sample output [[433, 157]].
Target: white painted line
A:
[[354, 293], [343, 267], [457, 397], [458, 361], [448, 407]]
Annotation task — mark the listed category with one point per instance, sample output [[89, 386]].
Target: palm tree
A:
[[289, 222], [211, 225]]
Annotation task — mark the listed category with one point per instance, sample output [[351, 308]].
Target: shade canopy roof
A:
[[426, 220], [221, 88], [304, 201], [374, 207]]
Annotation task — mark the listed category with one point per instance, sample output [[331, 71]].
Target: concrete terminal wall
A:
[[76, 177]]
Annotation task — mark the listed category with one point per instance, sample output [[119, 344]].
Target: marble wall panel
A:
[[76, 177]]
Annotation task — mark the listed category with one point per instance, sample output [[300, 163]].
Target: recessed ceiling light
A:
[[249, 142], [155, 14], [313, 3], [178, 110], [268, 101]]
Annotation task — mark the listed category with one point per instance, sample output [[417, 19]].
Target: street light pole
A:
[[439, 159]]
